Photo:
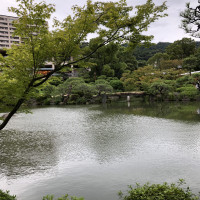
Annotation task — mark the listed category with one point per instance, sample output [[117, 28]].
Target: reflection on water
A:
[[23, 153], [95, 151], [187, 111]]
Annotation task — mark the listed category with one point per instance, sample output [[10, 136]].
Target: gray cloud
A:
[[165, 30]]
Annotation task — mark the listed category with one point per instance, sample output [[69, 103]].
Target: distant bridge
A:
[[133, 93], [118, 95]]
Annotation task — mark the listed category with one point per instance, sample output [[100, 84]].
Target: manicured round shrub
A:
[[189, 91], [117, 85], [159, 88], [184, 80]]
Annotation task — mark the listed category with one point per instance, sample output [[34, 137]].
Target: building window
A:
[[4, 41], [5, 28], [4, 19], [16, 38], [4, 32], [3, 45], [15, 42], [2, 36], [3, 23], [49, 66]]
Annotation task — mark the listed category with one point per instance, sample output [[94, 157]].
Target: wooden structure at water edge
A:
[[124, 95]]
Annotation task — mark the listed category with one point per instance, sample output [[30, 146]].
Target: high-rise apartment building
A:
[[6, 31], [7, 39]]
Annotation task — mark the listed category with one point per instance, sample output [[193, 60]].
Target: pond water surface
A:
[[95, 151]]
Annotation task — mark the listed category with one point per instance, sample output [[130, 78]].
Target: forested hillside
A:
[[144, 53]]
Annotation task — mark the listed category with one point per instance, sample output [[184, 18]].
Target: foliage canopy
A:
[[111, 21], [6, 196], [163, 191], [190, 21]]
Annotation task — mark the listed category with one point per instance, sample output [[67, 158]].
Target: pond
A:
[[95, 151]]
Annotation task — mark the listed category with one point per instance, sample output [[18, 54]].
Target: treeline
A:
[[144, 52], [165, 76], [113, 60]]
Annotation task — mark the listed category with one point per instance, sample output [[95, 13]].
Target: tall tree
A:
[[103, 59], [190, 63], [125, 55], [157, 59], [111, 60], [191, 25], [197, 55], [191, 20], [181, 49], [111, 21], [171, 64]]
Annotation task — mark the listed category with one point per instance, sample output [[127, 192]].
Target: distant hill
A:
[[144, 53]]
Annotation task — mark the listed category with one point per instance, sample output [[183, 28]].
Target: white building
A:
[[6, 31], [7, 39]]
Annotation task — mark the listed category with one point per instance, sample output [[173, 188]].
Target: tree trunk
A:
[[11, 113]]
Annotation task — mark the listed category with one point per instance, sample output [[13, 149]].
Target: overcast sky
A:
[[164, 30]]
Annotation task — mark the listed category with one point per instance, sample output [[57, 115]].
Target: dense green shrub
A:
[[196, 75], [131, 85], [184, 80], [85, 90], [107, 71], [173, 96], [188, 91], [81, 100], [74, 97], [102, 86], [171, 83], [76, 89], [54, 80], [144, 86], [102, 77], [117, 85], [163, 191], [43, 94], [6, 196], [159, 88]]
